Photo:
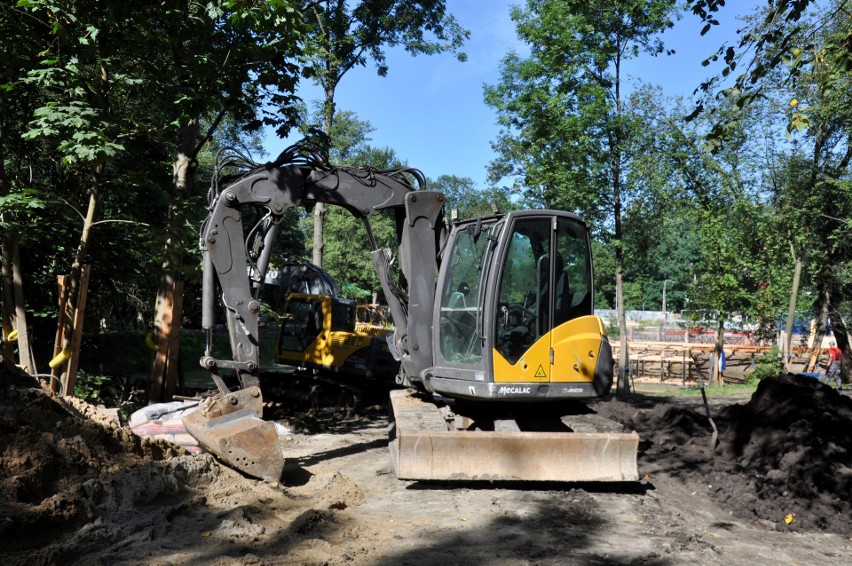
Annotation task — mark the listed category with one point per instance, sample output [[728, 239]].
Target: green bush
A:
[[613, 332], [768, 364], [110, 391]]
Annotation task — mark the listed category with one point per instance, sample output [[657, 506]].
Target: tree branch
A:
[[210, 131], [72, 207], [145, 224]]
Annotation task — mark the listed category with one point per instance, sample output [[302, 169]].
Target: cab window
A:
[[301, 324], [461, 295], [523, 299]]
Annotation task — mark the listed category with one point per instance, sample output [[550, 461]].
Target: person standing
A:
[[833, 371]]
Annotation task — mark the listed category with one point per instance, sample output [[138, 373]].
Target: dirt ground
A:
[[77, 488]]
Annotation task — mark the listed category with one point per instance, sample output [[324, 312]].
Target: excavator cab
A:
[[515, 316], [516, 343]]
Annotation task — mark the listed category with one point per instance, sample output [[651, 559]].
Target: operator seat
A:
[[562, 293], [562, 311]]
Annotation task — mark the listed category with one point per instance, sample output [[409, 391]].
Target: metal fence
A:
[[657, 326]]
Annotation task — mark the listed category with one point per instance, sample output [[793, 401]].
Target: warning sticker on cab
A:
[[540, 371]]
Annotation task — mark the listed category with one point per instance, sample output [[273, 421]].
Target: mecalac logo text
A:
[[510, 390]]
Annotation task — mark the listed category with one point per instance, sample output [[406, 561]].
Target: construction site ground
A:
[[75, 488]]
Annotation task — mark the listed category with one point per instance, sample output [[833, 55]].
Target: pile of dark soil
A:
[[76, 488], [783, 459]]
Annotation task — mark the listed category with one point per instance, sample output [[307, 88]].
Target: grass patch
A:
[[728, 390], [744, 390]]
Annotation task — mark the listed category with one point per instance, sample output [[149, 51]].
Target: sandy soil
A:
[[76, 488]]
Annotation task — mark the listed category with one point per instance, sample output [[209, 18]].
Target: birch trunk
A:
[[319, 209], [791, 311]]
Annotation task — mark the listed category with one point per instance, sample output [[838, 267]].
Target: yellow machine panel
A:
[[318, 331], [533, 366], [576, 345]]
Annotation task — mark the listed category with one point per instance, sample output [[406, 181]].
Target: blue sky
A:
[[430, 110]]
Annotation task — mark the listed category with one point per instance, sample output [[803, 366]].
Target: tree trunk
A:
[[5, 243], [8, 296], [82, 249], [183, 172], [791, 312], [616, 144], [842, 337], [624, 349], [319, 219], [718, 376], [71, 291], [319, 209], [822, 318], [25, 357]]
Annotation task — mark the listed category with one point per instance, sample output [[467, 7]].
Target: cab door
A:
[[575, 335], [544, 287]]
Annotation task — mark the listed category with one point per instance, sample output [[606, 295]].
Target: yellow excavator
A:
[[322, 332], [494, 328]]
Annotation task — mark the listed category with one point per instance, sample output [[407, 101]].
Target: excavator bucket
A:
[[424, 448], [229, 425]]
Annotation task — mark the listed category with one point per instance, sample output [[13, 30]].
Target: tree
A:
[[562, 112], [823, 93], [705, 227], [342, 38], [783, 32], [18, 39], [813, 86], [208, 60], [45, 190], [216, 60], [86, 84], [662, 244]]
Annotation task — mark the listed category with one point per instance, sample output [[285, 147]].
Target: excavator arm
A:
[[236, 261], [240, 271]]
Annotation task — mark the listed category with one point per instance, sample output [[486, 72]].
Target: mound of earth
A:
[[51, 452], [783, 459], [75, 487]]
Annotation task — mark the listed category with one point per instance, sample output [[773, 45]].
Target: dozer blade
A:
[[229, 426], [422, 448]]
